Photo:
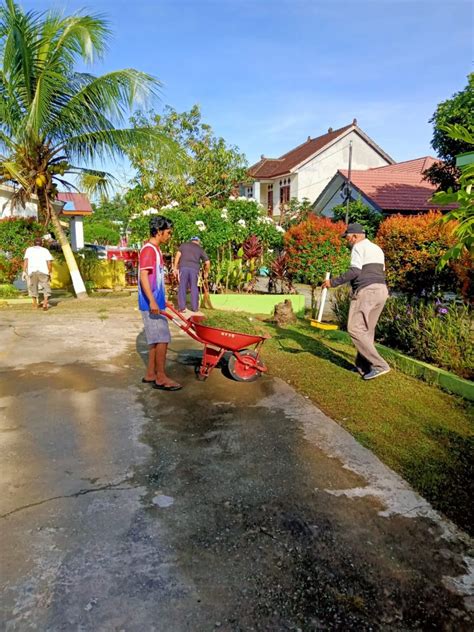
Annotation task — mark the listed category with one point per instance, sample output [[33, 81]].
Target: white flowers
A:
[[172, 204], [201, 225], [232, 197], [280, 229], [270, 251], [241, 222], [224, 213], [150, 211], [265, 220]]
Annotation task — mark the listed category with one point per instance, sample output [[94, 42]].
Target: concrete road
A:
[[223, 506]]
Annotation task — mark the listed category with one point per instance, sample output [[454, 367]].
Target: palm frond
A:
[[108, 144], [103, 102]]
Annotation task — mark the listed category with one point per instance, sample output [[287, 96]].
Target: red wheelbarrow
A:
[[244, 365]]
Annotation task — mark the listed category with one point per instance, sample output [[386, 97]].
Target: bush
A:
[[432, 332], [16, 234], [413, 247], [8, 291], [315, 247]]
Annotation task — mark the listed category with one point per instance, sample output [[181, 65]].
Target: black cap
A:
[[354, 229]]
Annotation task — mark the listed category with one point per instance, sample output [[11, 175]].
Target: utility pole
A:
[[348, 188]]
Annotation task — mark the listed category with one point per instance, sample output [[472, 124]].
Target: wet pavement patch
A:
[[260, 538]]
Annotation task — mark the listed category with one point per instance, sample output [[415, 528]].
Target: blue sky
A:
[[268, 73]]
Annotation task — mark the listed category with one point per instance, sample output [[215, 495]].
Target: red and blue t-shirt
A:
[[152, 259]]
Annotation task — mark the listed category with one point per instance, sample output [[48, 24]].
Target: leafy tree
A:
[[463, 215], [112, 210], [315, 247], [55, 120], [101, 231], [212, 168], [361, 213], [455, 111]]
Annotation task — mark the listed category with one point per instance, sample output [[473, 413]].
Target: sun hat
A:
[[354, 229]]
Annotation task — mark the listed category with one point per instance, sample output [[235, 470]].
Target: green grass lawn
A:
[[418, 430]]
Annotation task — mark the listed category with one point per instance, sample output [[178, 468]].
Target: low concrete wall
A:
[[256, 303], [106, 275]]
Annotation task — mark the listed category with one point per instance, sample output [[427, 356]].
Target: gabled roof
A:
[[75, 204], [398, 187], [274, 167]]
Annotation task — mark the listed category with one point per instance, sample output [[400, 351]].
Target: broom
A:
[[317, 323]]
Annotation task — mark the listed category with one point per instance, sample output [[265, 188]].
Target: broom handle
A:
[[323, 299]]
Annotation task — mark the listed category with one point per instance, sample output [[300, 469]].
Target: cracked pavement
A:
[[223, 506]]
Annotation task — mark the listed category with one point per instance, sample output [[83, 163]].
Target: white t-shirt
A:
[[38, 258]]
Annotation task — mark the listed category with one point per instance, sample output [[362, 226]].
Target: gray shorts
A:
[[156, 328]]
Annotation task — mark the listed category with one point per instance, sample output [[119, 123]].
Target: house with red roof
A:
[[303, 172], [397, 188]]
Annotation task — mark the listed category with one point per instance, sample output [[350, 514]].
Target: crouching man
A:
[[369, 295]]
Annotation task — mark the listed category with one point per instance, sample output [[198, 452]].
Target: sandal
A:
[[163, 387]]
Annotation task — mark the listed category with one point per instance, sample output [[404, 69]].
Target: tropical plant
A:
[[463, 198], [360, 213], [315, 247], [252, 254], [279, 273], [55, 121]]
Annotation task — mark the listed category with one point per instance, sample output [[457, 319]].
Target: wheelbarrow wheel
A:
[[240, 371]]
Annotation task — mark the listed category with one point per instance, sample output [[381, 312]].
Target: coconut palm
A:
[[56, 122]]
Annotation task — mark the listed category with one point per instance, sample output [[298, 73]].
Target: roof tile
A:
[[273, 167], [398, 187]]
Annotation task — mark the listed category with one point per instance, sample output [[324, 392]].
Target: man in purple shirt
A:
[[187, 264]]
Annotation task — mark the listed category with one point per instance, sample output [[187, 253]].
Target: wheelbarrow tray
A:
[[224, 338]]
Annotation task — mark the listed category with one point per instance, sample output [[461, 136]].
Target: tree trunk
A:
[[77, 282]]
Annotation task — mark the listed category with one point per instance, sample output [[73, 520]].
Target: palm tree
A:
[[55, 122]]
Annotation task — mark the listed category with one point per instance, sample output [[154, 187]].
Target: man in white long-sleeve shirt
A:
[[369, 294]]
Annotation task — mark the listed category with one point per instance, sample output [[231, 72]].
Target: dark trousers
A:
[[188, 278]]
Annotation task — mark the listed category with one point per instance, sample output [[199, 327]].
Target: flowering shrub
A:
[[432, 332], [222, 232], [315, 247], [16, 234], [413, 247]]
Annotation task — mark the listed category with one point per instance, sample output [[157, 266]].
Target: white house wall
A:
[[316, 174], [8, 210]]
